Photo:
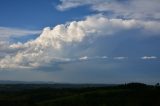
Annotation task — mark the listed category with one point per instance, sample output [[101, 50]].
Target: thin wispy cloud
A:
[[135, 9], [149, 57], [7, 32], [83, 58], [120, 58]]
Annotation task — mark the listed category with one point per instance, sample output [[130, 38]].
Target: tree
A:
[[157, 85]]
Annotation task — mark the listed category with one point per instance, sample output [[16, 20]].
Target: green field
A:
[[120, 95]]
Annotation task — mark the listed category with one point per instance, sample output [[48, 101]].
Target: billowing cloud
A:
[[135, 9], [148, 57], [6, 32], [52, 45]]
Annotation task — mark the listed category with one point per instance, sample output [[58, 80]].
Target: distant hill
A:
[[25, 82], [20, 85]]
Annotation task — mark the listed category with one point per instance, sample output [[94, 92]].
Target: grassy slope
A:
[[150, 97], [107, 96]]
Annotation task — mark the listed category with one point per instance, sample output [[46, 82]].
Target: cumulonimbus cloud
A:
[[52, 43]]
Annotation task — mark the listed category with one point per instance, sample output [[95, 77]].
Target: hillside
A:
[[122, 95]]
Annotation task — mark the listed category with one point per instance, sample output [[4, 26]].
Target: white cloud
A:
[[83, 58], [120, 58], [52, 44], [93, 57], [67, 4], [128, 8], [6, 32], [148, 57], [104, 57]]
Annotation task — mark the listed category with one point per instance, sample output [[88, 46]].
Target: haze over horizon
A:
[[80, 41]]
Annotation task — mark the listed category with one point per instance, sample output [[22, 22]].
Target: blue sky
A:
[[36, 14], [76, 41]]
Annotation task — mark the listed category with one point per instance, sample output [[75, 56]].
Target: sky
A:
[[80, 41]]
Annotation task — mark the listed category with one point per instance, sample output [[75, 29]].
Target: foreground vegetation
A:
[[133, 94]]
